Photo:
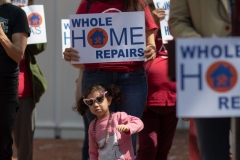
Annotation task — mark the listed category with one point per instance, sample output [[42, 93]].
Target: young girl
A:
[[109, 133]]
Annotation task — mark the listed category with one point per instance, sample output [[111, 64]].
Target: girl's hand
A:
[[123, 128], [159, 13], [70, 54], [150, 53]]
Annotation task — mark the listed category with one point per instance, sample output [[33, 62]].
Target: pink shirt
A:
[[119, 144]]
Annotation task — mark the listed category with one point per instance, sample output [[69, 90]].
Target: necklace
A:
[[107, 132]]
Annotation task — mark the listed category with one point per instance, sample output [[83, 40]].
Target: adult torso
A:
[[13, 21], [210, 17]]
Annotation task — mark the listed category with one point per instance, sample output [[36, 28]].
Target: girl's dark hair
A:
[[128, 5], [112, 91]]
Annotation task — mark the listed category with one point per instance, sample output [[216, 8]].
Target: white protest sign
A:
[[20, 2], [65, 25], [208, 77], [164, 4], [37, 25], [108, 37]]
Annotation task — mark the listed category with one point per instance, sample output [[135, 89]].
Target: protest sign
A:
[[37, 25], [65, 26], [164, 4], [208, 77], [108, 37]]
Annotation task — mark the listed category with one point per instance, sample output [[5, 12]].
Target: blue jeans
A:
[[8, 107], [133, 85]]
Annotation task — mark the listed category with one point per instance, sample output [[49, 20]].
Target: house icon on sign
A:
[[97, 38], [35, 20], [222, 77]]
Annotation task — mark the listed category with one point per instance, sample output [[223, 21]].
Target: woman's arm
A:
[[150, 51], [16, 48]]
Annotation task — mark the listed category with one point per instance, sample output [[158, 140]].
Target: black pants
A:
[[213, 138], [8, 107]]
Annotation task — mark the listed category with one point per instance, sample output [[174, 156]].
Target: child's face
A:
[[100, 105]]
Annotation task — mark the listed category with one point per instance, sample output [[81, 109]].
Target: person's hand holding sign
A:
[[71, 54], [159, 13], [150, 53]]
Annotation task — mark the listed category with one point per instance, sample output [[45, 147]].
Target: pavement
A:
[[63, 149]]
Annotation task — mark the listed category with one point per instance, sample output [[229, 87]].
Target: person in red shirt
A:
[[159, 118], [129, 76]]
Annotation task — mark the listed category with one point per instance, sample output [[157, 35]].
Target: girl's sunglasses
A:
[[90, 101]]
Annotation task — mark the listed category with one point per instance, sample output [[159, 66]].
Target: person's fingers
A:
[[70, 54], [123, 128], [150, 53], [71, 50], [118, 128], [1, 29], [66, 56], [158, 10], [160, 13], [150, 58], [2, 34], [74, 55], [71, 57]]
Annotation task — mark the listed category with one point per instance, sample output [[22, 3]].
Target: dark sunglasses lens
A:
[[89, 102], [100, 99]]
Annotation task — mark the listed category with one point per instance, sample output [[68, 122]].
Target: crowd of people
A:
[[118, 100]]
